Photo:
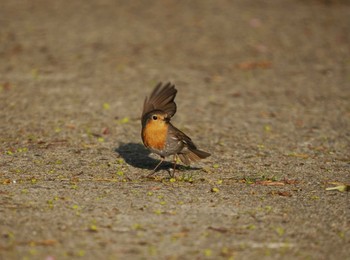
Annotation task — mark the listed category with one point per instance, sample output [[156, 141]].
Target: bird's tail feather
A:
[[192, 155]]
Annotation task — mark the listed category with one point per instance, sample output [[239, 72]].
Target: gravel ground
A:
[[262, 85]]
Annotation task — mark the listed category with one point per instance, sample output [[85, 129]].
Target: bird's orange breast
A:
[[154, 134]]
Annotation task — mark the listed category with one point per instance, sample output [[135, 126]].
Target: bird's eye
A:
[[154, 117]]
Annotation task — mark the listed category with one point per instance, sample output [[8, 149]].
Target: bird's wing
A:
[[161, 98], [179, 135]]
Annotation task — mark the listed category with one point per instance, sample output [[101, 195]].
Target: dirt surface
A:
[[262, 85]]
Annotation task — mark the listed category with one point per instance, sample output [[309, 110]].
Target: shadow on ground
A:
[[138, 156]]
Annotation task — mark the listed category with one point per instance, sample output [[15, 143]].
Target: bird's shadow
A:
[[138, 156]]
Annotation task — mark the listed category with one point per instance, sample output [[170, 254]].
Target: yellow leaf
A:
[[214, 189], [340, 188], [207, 252], [216, 165], [106, 106]]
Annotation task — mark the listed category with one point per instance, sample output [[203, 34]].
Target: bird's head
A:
[[155, 118]]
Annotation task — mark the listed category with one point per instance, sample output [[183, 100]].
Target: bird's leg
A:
[[173, 175], [154, 170]]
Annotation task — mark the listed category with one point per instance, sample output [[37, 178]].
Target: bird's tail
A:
[[192, 155]]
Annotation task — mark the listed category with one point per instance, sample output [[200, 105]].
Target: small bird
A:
[[159, 135]]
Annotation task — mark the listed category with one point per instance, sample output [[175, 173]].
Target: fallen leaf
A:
[[340, 188], [299, 155], [6, 86], [93, 228], [270, 183], [249, 65], [47, 242], [180, 235], [124, 120], [155, 188], [106, 106], [105, 131], [208, 252], [286, 181], [6, 181], [281, 193], [218, 229]]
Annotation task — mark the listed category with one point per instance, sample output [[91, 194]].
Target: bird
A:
[[159, 135]]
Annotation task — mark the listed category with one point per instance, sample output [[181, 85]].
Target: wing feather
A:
[[161, 98]]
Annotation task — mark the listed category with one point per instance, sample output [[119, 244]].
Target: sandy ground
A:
[[262, 85]]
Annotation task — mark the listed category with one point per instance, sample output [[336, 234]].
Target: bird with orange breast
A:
[[159, 135]]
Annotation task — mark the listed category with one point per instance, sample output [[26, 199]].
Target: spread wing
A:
[[161, 98]]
